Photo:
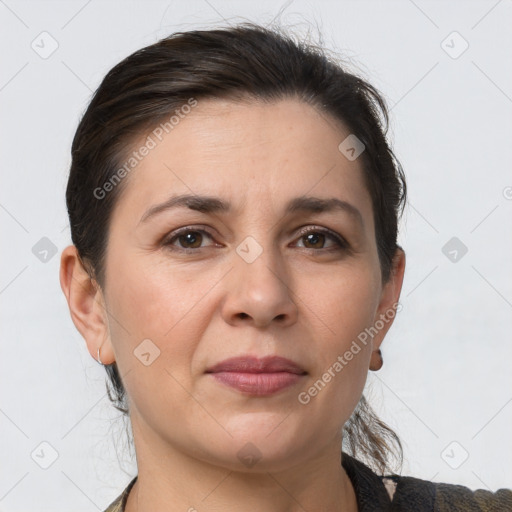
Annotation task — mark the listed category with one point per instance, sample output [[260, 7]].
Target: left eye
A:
[[317, 239]]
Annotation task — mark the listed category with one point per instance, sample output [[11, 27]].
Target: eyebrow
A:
[[211, 204]]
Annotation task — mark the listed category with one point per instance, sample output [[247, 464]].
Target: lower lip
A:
[[259, 384]]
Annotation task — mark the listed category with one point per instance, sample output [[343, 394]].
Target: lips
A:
[[257, 376], [250, 364]]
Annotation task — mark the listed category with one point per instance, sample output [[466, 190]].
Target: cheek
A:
[[157, 303], [344, 303], [342, 307], [153, 299], [157, 312]]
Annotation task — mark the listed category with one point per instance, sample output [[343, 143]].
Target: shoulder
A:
[[398, 493], [409, 493], [457, 497]]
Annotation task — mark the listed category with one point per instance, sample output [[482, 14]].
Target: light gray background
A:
[[446, 375]]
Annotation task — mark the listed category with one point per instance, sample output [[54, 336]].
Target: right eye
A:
[[187, 238]]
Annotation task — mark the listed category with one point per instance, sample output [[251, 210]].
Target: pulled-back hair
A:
[[242, 63]]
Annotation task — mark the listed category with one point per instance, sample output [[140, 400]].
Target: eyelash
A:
[[341, 243]]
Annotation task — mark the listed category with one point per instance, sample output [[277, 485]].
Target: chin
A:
[[262, 442]]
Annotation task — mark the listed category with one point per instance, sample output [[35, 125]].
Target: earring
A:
[[99, 359], [376, 365]]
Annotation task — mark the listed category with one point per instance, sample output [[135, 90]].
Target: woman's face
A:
[[250, 271]]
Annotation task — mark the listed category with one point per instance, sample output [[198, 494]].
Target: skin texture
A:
[[301, 299]]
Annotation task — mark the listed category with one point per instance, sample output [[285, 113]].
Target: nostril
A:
[[243, 315]]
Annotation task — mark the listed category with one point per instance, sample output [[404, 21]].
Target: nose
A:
[[258, 293]]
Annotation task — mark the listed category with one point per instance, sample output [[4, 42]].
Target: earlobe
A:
[[376, 360], [387, 309], [86, 305]]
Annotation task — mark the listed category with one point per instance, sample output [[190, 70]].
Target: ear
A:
[[387, 308], [86, 304]]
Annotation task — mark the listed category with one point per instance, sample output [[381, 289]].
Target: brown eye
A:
[[322, 240], [190, 240], [314, 240], [187, 238]]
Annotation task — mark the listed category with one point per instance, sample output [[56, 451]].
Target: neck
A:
[[170, 480]]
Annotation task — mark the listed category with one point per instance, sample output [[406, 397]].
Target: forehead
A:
[[251, 153]]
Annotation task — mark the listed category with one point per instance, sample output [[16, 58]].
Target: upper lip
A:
[[252, 364]]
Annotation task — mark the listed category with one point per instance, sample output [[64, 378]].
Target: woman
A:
[[234, 206]]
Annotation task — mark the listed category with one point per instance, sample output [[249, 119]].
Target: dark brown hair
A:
[[245, 62]]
